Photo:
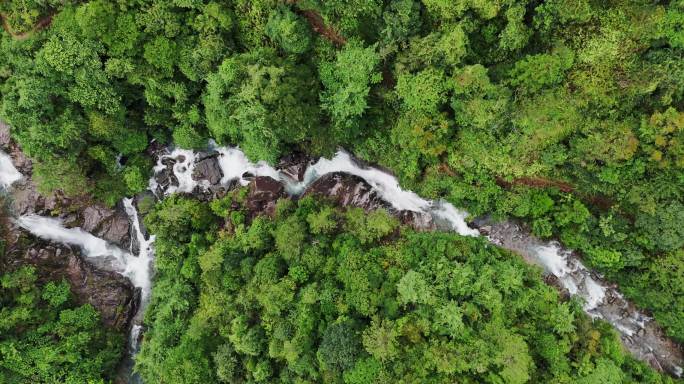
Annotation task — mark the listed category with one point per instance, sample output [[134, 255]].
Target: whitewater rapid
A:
[[8, 172], [600, 300], [236, 167]]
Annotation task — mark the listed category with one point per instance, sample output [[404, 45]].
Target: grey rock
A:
[[208, 169], [111, 225], [294, 165]]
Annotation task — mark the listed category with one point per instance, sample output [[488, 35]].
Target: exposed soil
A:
[[318, 25], [41, 24], [537, 182], [598, 201]]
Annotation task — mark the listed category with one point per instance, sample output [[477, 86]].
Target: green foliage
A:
[[60, 174], [663, 230], [263, 102], [309, 297], [562, 113], [347, 81], [45, 338], [289, 31], [543, 70]]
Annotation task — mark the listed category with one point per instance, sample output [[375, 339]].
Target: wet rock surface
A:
[[418, 220], [264, 193], [294, 165], [111, 294], [352, 191], [109, 224], [165, 177], [347, 191], [207, 168]]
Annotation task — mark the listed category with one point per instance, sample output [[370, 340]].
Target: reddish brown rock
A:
[[111, 294], [264, 192], [347, 190]]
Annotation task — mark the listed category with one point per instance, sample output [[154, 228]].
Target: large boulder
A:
[[263, 194], [108, 224], [347, 190], [165, 177], [294, 165], [352, 191], [207, 169], [112, 295], [26, 200]]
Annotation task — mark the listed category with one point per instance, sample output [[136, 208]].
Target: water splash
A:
[[640, 334], [54, 230], [234, 165], [140, 266], [137, 268], [8, 172]]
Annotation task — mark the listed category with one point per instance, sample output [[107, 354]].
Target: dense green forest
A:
[[46, 338], [567, 114], [324, 295]]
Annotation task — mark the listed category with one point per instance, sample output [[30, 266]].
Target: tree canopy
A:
[[317, 295], [566, 114]]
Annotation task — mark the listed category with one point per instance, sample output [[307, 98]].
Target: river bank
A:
[[210, 174]]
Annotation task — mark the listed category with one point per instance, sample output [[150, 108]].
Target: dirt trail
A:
[[318, 25], [598, 201], [41, 24], [536, 182]]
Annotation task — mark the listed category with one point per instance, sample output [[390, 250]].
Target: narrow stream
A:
[[638, 332]]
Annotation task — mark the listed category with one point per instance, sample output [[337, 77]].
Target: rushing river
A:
[[638, 332]]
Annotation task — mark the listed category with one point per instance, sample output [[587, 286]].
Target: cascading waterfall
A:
[[136, 267], [600, 300], [235, 165], [140, 265], [641, 336], [93, 247], [8, 173]]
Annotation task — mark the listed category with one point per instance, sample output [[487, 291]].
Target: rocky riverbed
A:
[[348, 182], [70, 252]]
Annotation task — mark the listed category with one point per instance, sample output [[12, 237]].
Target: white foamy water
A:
[[8, 172], [235, 165], [139, 267], [572, 274], [53, 229], [182, 169]]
